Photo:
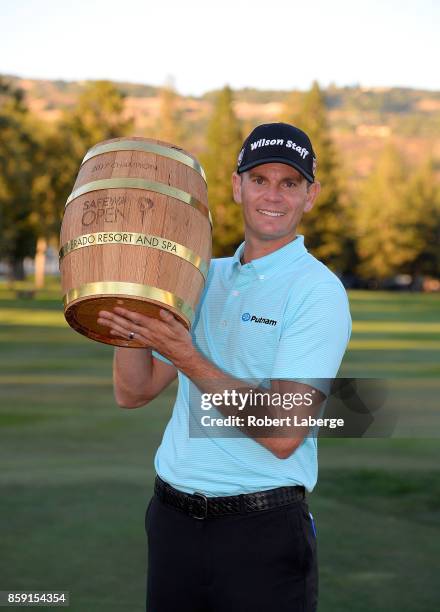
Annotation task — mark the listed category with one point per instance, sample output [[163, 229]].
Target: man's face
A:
[[273, 197]]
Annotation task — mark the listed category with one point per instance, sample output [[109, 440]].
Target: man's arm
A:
[[138, 377], [170, 338], [283, 438]]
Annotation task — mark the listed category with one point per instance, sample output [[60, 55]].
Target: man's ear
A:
[[312, 194], [236, 187]]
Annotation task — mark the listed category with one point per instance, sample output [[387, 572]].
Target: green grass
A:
[[77, 472]]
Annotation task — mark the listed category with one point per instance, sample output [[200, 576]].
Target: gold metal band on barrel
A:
[[135, 239], [137, 183], [100, 289], [147, 147]]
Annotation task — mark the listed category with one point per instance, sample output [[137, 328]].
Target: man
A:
[[228, 527]]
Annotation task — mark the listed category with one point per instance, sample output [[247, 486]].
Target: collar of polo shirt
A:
[[272, 263]]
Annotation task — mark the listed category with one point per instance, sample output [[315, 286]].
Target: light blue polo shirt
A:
[[312, 328]]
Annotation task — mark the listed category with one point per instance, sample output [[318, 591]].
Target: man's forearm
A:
[[282, 440], [132, 376]]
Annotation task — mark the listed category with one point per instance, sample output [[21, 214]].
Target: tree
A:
[[53, 182], [98, 115], [223, 141], [291, 107], [423, 203], [169, 127], [18, 148], [326, 226], [391, 218]]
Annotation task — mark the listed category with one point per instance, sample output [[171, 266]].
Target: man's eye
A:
[[259, 180], [290, 184]]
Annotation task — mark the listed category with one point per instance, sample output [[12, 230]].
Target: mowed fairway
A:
[[77, 471]]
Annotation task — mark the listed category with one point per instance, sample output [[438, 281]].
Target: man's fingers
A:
[[119, 334], [156, 333], [125, 328], [110, 318], [144, 320], [167, 325], [151, 323], [119, 330], [125, 321], [169, 318], [135, 317], [166, 315], [116, 330]]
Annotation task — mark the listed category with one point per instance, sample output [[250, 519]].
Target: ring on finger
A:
[[131, 335]]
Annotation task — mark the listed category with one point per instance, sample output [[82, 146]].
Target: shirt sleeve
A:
[[314, 337]]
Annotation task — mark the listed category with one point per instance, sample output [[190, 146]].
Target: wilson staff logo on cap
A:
[[278, 142]]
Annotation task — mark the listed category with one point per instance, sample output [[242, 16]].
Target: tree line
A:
[[389, 224]]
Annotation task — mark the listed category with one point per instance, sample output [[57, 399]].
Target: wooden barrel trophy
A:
[[136, 232]]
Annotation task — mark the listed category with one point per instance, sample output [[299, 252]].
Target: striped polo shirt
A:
[[281, 316]]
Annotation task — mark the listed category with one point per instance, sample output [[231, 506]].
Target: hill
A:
[[361, 119]]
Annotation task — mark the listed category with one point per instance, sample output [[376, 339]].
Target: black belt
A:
[[200, 507]]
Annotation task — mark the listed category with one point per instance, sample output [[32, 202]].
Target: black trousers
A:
[[256, 562]]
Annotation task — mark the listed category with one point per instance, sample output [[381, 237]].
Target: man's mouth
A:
[[271, 213]]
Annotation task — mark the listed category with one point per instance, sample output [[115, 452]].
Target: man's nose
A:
[[273, 194]]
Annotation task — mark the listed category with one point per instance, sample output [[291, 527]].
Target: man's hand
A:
[[167, 336]]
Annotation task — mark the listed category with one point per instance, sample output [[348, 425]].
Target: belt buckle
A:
[[197, 494]]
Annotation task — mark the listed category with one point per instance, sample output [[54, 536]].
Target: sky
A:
[[203, 45]]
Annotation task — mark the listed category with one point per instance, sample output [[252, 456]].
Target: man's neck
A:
[[256, 249]]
